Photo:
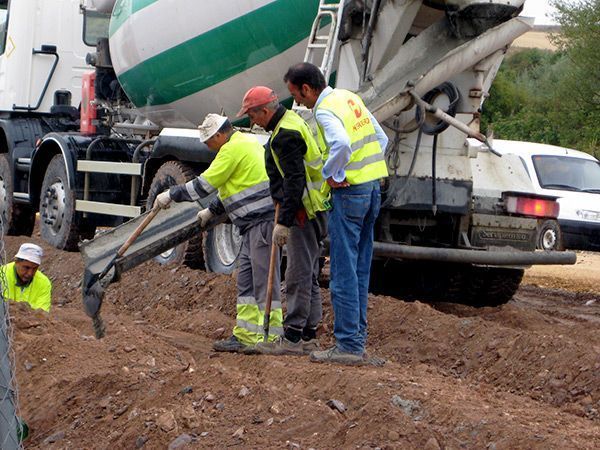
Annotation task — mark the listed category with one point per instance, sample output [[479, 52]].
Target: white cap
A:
[[212, 123], [30, 252]]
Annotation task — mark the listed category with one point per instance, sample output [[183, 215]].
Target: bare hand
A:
[[335, 184]]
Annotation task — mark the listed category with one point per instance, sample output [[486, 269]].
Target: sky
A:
[[540, 10]]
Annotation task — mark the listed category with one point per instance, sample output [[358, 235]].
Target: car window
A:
[[567, 173]]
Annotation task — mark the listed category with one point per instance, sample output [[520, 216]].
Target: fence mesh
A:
[[11, 428]]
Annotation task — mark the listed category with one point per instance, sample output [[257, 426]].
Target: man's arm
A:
[[290, 148], [381, 136], [339, 146], [208, 182]]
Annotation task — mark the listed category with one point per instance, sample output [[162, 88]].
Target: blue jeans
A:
[[351, 223]]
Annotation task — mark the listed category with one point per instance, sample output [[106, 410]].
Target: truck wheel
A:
[[60, 225], [221, 247], [549, 236], [170, 174], [16, 219], [492, 286]]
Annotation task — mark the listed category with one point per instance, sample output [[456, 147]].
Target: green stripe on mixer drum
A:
[[220, 53], [124, 10]]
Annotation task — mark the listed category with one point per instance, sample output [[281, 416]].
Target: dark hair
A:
[[306, 73], [225, 128]]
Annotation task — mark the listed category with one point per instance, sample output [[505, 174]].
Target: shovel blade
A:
[[92, 290]]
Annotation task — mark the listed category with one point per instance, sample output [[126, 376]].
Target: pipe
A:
[[490, 257]]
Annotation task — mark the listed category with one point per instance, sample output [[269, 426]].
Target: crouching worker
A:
[[23, 282], [238, 174], [294, 163]]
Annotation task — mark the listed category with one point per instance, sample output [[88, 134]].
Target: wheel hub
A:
[[3, 202], [227, 243], [53, 206], [549, 239]]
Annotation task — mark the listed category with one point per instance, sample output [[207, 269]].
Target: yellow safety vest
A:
[[367, 162], [312, 199], [238, 173], [38, 293]]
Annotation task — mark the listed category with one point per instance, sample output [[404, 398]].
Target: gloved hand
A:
[[204, 215], [163, 200], [280, 234]]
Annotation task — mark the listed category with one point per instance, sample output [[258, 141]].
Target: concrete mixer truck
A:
[[99, 100]]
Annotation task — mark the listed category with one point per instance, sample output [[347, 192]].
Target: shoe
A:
[[281, 346], [335, 355], [233, 345], [373, 360], [310, 345]]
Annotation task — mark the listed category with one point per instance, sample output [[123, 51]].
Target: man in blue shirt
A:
[[353, 143]]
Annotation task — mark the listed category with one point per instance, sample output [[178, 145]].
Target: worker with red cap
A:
[[294, 162]]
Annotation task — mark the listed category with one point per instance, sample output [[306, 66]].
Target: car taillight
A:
[[535, 207]]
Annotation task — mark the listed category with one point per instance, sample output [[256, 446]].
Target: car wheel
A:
[[549, 236]]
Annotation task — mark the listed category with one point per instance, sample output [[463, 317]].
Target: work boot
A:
[[233, 345], [373, 360], [281, 346], [337, 356], [310, 345]]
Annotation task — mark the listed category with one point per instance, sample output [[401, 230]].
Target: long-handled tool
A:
[[95, 283], [272, 262]]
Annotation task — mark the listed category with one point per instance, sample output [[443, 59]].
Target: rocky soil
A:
[[524, 375]]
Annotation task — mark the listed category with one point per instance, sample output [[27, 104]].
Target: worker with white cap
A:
[[23, 282], [238, 175]]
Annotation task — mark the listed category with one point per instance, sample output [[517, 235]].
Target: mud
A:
[[524, 375]]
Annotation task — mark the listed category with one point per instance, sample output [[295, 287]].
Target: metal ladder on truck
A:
[[325, 43]]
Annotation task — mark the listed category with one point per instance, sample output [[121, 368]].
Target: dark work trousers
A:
[[304, 308]]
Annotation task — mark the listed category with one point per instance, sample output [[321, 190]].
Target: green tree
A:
[[553, 97]]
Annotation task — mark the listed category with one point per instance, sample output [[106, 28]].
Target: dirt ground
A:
[[524, 375]]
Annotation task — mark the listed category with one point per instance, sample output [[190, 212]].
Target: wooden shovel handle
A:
[[153, 212], [272, 263]]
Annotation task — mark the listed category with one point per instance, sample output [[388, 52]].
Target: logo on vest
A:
[[355, 108]]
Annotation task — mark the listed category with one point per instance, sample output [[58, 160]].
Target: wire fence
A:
[[12, 429]]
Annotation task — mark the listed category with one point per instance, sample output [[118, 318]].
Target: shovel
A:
[[272, 263], [95, 283]]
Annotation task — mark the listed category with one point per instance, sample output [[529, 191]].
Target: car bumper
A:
[[580, 235]]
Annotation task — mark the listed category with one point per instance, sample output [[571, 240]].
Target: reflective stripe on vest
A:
[[249, 328], [238, 172], [367, 161], [312, 198]]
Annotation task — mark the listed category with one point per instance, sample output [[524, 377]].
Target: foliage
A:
[[553, 97]]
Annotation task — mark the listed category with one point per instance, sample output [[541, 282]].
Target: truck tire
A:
[[491, 286], [60, 225], [172, 173], [16, 219], [221, 247], [549, 236]]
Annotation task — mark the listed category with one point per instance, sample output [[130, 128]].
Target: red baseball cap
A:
[[256, 96]]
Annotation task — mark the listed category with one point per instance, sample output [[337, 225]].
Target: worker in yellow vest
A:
[[23, 282], [238, 175], [353, 145], [294, 162]]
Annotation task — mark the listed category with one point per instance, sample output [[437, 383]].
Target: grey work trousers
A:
[[252, 283], [304, 308]]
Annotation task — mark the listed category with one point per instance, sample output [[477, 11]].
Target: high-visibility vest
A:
[[249, 325], [238, 173], [38, 293], [312, 199], [367, 161]]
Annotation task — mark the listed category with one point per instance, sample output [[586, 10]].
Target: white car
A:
[[573, 177]]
